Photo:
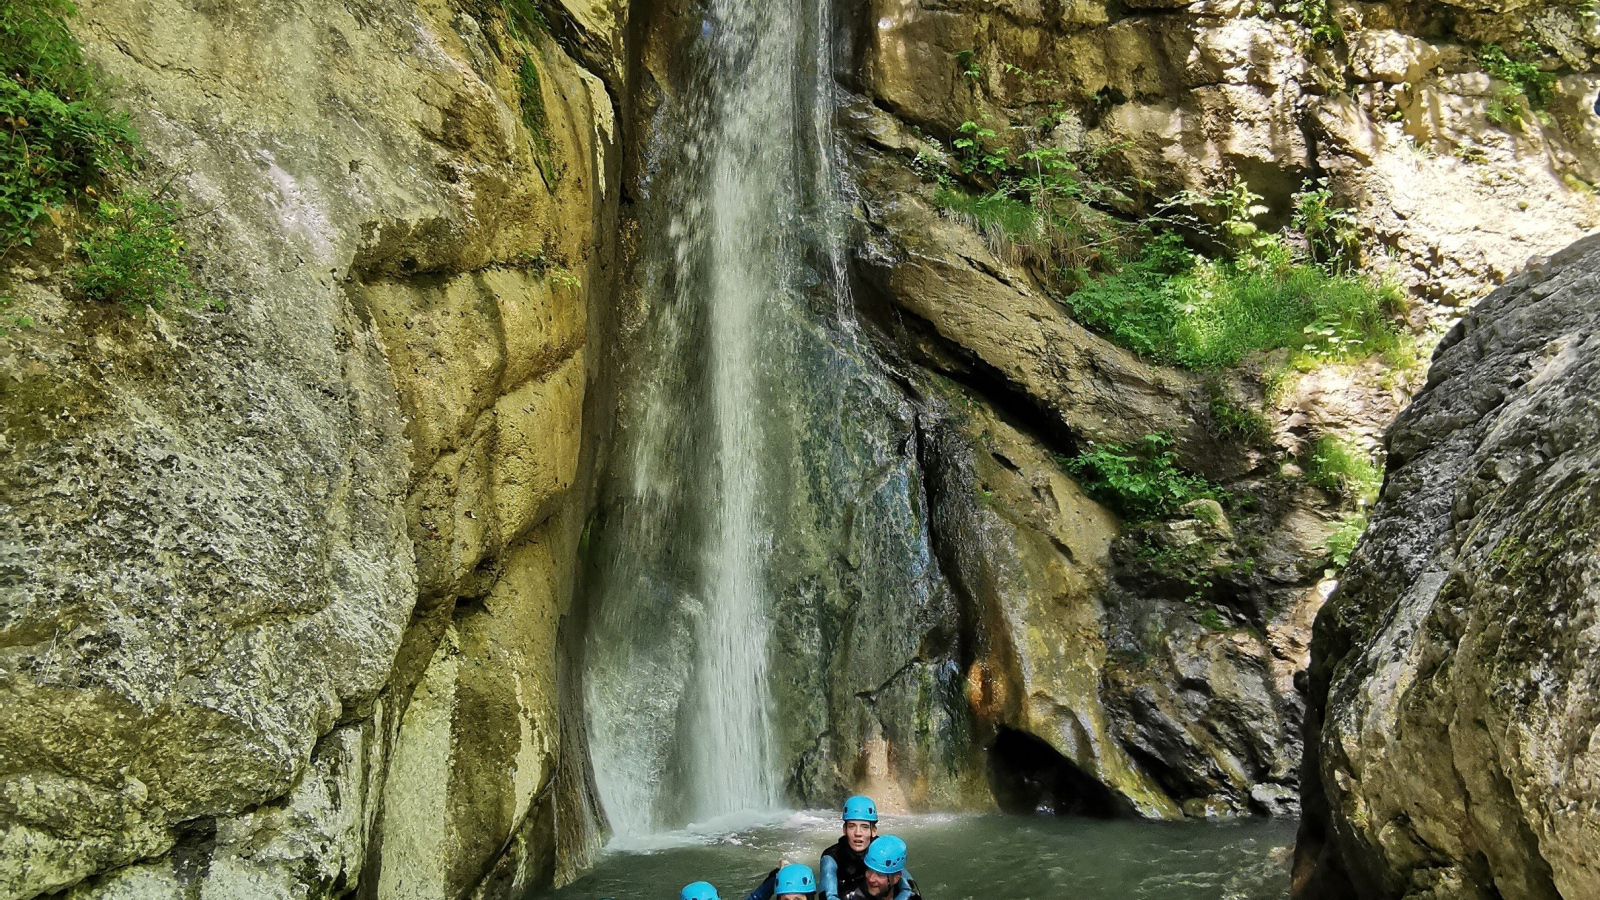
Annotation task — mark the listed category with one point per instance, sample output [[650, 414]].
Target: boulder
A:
[[1450, 740]]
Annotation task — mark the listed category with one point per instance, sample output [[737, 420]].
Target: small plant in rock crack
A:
[[1233, 419], [1524, 77], [971, 69], [10, 320], [1318, 18], [1331, 231], [1342, 469], [134, 254], [1140, 480], [1342, 543], [975, 151]]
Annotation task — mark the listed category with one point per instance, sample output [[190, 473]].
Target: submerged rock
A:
[[1454, 676]]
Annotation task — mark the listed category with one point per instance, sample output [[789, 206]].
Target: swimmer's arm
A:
[[765, 889]]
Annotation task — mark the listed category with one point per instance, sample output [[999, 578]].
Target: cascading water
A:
[[676, 687]]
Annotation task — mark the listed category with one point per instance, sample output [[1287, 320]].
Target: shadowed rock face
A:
[[1454, 678]]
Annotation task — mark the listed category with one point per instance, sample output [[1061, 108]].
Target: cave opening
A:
[[1028, 776]]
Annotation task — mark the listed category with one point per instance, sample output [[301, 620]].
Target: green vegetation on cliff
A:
[[61, 140], [1175, 307], [64, 150], [1526, 78], [1141, 480], [1526, 85], [134, 254], [1342, 543], [1348, 472], [1231, 418], [1342, 469], [57, 136], [1142, 284]]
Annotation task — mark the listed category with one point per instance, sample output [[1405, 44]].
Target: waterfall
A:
[[680, 711]]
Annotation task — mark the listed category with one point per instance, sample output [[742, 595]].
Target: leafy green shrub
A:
[[1330, 231], [134, 255], [1141, 480], [56, 134], [975, 153], [1318, 18], [1527, 78], [1163, 301], [1232, 419], [1174, 308], [1339, 468], [971, 68], [1342, 543]]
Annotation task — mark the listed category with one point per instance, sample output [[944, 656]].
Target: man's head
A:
[[881, 885], [795, 882], [885, 859], [699, 890], [860, 822]]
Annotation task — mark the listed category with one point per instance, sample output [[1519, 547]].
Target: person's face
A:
[[859, 834], [792, 897], [878, 884]]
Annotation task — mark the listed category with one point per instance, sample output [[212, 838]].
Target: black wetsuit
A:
[[851, 877]]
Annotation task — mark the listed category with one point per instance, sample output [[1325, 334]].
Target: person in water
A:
[[699, 890], [843, 865], [791, 881], [886, 876]]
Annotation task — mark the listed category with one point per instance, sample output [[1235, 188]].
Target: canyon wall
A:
[[285, 581], [1049, 639], [290, 594]]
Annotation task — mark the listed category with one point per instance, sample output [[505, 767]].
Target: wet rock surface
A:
[[1450, 738], [1187, 636]]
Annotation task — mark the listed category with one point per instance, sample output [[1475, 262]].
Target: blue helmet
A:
[[795, 878], [700, 890], [860, 809], [887, 855]]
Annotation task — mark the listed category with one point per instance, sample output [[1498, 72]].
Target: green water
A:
[[977, 857]]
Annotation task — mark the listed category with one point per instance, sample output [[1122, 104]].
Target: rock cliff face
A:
[[288, 591], [283, 583], [1074, 658], [1385, 100], [1451, 741]]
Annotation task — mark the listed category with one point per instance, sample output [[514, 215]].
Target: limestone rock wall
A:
[[1451, 741], [282, 585], [1170, 704], [1394, 111]]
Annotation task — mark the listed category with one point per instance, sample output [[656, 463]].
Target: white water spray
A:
[[677, 686]]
